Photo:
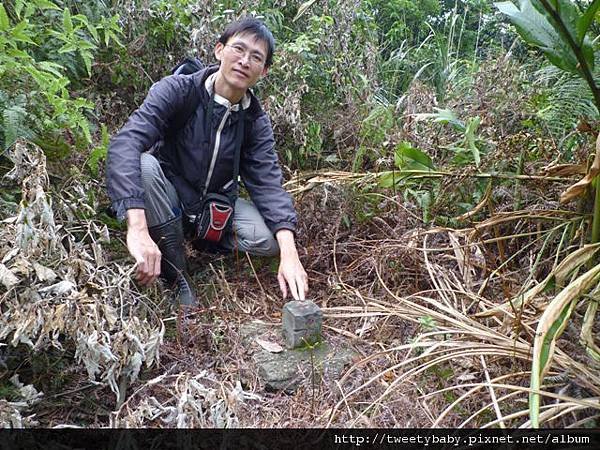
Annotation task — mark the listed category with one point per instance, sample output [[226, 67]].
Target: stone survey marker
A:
[[307, 359], [302, 322]]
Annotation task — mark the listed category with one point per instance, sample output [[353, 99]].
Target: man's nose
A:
[[245, 58]]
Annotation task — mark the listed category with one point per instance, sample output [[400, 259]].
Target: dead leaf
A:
[[466, 377], [110, 314], [463, 258], [7, 278], [580, 187], [10, 255], [21, 266], [60, 288], [564, 170], [10, 219], [303, 8], [44, 273], [271, 347]]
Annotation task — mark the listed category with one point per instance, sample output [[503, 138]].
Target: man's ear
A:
[[219, 47], [265, 71]]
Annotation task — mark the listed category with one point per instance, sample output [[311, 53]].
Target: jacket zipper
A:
[[215, 150]]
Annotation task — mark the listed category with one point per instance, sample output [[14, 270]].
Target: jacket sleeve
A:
[[262, 177], [146, 126]]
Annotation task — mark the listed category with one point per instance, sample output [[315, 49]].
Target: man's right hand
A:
[[141, 246]]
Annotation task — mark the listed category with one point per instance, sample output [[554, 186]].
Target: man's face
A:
[[242, 61]]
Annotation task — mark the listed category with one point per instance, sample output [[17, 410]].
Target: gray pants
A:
[[249, 232]]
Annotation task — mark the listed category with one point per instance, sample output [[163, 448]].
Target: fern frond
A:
[[569, 100], [14, 125]]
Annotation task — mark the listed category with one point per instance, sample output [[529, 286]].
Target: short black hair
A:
[[255, 27]]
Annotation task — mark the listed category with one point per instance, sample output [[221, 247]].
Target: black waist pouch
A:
[[214, 218]]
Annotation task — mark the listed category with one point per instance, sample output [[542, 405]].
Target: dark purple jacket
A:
[[188, 153]]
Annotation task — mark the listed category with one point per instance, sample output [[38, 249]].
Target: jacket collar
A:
[[250, 103], [209, 85]]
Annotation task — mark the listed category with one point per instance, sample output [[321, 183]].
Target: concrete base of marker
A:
[[290, 369]]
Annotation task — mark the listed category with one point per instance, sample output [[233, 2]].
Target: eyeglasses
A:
[[240, 51]]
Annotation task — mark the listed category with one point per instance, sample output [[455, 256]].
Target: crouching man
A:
[[203, 129]]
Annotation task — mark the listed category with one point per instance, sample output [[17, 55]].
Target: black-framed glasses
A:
[[240, 51]]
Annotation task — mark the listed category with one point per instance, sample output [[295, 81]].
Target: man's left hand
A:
[[291, 273]]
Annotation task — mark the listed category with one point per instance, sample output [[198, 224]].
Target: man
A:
[[204, 120]]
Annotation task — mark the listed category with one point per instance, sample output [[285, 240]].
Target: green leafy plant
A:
[[73, 41], [99, 153], [407, 157], [468, 147], [320, 80], [428, 323], [38, 64], [411, 161], [373, 132], [559, 30]]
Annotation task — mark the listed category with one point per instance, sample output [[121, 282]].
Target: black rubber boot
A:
[[173, 267]]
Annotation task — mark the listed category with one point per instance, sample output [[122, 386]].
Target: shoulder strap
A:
[[239, 136], [188, 66]]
